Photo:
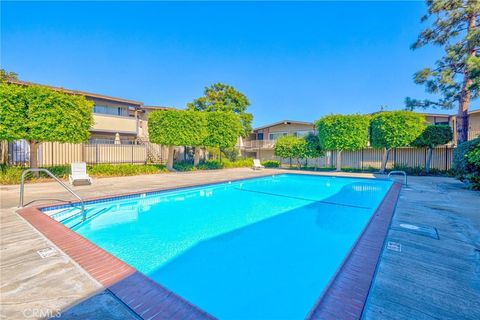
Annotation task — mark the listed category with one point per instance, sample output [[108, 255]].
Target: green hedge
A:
[[12, 175], [460, 162], [213, 164], [271, 164]]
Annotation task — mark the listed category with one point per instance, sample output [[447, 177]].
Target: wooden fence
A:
[[372, 158], [54, 153]]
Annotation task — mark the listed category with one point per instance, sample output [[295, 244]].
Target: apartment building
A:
[[115, 120], [262, 140]]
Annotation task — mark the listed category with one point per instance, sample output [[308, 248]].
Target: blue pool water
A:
[[262, 248]]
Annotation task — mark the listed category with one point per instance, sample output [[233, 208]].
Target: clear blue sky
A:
[[293, 60]]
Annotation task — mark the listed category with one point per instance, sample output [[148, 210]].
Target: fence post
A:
[[132, 153], [425, 159], [446, 158], [52, 154], [96, 153], [361, 163]]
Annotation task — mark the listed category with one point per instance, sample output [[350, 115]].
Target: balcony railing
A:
[[472, 134], [103, 122], [259, 144]]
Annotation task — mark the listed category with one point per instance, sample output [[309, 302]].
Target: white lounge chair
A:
[[257, 164], [79, 174]]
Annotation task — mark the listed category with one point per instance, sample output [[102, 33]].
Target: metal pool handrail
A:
[[399, 172], [22, 187]]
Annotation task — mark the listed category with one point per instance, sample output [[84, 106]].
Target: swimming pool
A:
[[250, 249]]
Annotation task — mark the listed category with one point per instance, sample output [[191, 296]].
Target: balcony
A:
[[114, 124], [259, 144]]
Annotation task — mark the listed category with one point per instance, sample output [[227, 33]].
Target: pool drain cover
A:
[[47, 252]]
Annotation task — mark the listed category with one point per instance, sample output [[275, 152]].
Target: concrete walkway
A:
[[429, 278], [432, 272]]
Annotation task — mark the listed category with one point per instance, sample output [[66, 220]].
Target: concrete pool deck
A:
[[429, 278]]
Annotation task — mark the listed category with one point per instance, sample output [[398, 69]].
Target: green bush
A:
[[240, 163], [474, 180], [460, 162], [210, 165], [271, 164], [231, 153], [473, 157], [184, 166], [12, 174], [118, 170]]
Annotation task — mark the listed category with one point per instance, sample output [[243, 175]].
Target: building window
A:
[[302, 133], [259, 136], [114, 111], [276, 135]]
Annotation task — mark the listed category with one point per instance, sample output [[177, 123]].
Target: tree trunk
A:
[[4, 152], [290, 162], [170, 158], [386, 153], [338, 161], [429, 160], [196, 157], [34, 156], [465, 94]]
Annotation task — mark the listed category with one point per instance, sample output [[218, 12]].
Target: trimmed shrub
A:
[[12, 175], [184, 166], [240, 163], [339, 133], [271, 164], [460, 162], [210, 165]]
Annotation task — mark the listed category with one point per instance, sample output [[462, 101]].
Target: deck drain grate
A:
[[394, 246], [47, 252], [422, 230]]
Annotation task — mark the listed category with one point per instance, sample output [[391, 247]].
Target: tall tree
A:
[[313, 147], [223, 129], [394, 129], [455, 28], [222, 97], [38, 114], [343, 133], [7, 75], [432, 136], [177, 128], [289, 147]]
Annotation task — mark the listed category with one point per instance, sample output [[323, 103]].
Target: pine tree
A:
[[454, 27]]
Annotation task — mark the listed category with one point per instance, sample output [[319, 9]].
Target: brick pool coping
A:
[[345, 295], [343, 298]]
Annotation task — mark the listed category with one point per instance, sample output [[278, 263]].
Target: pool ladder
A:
[[399, 172], [22, 190]]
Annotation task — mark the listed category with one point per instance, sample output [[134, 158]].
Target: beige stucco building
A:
[[115, 120], [262, 140]]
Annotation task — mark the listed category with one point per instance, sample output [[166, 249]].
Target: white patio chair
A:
[[257, 164], [79, 174]]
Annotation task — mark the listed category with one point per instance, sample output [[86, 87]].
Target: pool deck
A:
[[418, 277]]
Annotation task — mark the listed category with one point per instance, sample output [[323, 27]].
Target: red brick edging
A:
[[146, 298], [343, 298], [346, 294]]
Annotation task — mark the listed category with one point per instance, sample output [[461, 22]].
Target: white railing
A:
[[262, 144], [472, 134]]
